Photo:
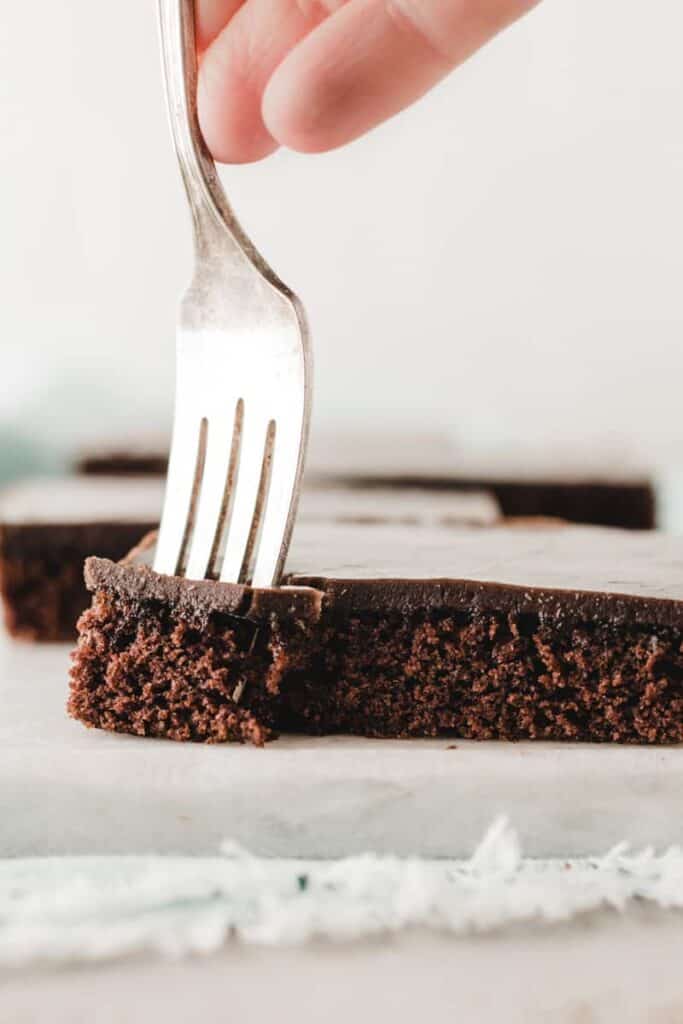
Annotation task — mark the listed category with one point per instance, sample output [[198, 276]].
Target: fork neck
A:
[[213, 218]]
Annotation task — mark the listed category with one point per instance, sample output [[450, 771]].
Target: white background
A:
[[503, 261]]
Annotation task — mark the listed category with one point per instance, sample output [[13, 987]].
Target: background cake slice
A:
[[540, 632], [48, 527], [599, 486]]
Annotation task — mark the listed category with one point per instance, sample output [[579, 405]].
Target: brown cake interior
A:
[[388, 658]]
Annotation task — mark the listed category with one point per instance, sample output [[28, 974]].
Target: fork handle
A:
[[215, 224]]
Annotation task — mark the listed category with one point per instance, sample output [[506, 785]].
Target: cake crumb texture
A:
[[148, 672], [144, 667]]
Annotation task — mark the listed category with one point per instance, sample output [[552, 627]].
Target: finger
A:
[[372, 59], [211, 17], [237, 66]]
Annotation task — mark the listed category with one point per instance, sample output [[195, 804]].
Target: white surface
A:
[[66, 790], [599, 970], [504, 258]]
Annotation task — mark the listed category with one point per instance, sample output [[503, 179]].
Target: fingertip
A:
[[230, 119], [230, 145], [211, 17], [297, 112], [343, 80]]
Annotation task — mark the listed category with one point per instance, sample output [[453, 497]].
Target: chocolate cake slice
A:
[[48, 527], [580, 484], [123, 463], [541, 631], [625, 503], [124, 455]]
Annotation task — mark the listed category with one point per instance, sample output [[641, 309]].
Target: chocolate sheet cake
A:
[[579, 484], [123, 463], [535, 632], [48, 527], [125, 455], [629, 504]]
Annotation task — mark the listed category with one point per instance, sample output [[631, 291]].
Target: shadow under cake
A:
[[542, 631]]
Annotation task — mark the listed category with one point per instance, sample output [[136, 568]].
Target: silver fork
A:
[[243, 373]]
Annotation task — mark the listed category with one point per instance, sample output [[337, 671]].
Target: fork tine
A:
[[185, 459], [275, 530], [254, 434], [218, 485]]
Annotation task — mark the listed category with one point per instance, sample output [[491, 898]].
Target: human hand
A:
[[314, 74]]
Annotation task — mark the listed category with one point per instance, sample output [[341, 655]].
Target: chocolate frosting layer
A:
[[550, 570]]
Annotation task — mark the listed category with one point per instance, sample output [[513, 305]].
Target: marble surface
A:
[[603, 969], [66, 790]]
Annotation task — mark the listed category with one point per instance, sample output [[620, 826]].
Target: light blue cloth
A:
[[91, 909], [21, 456]]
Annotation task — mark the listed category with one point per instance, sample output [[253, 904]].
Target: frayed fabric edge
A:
[[91, 909]]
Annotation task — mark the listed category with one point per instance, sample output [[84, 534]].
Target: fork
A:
[[243, 372]]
